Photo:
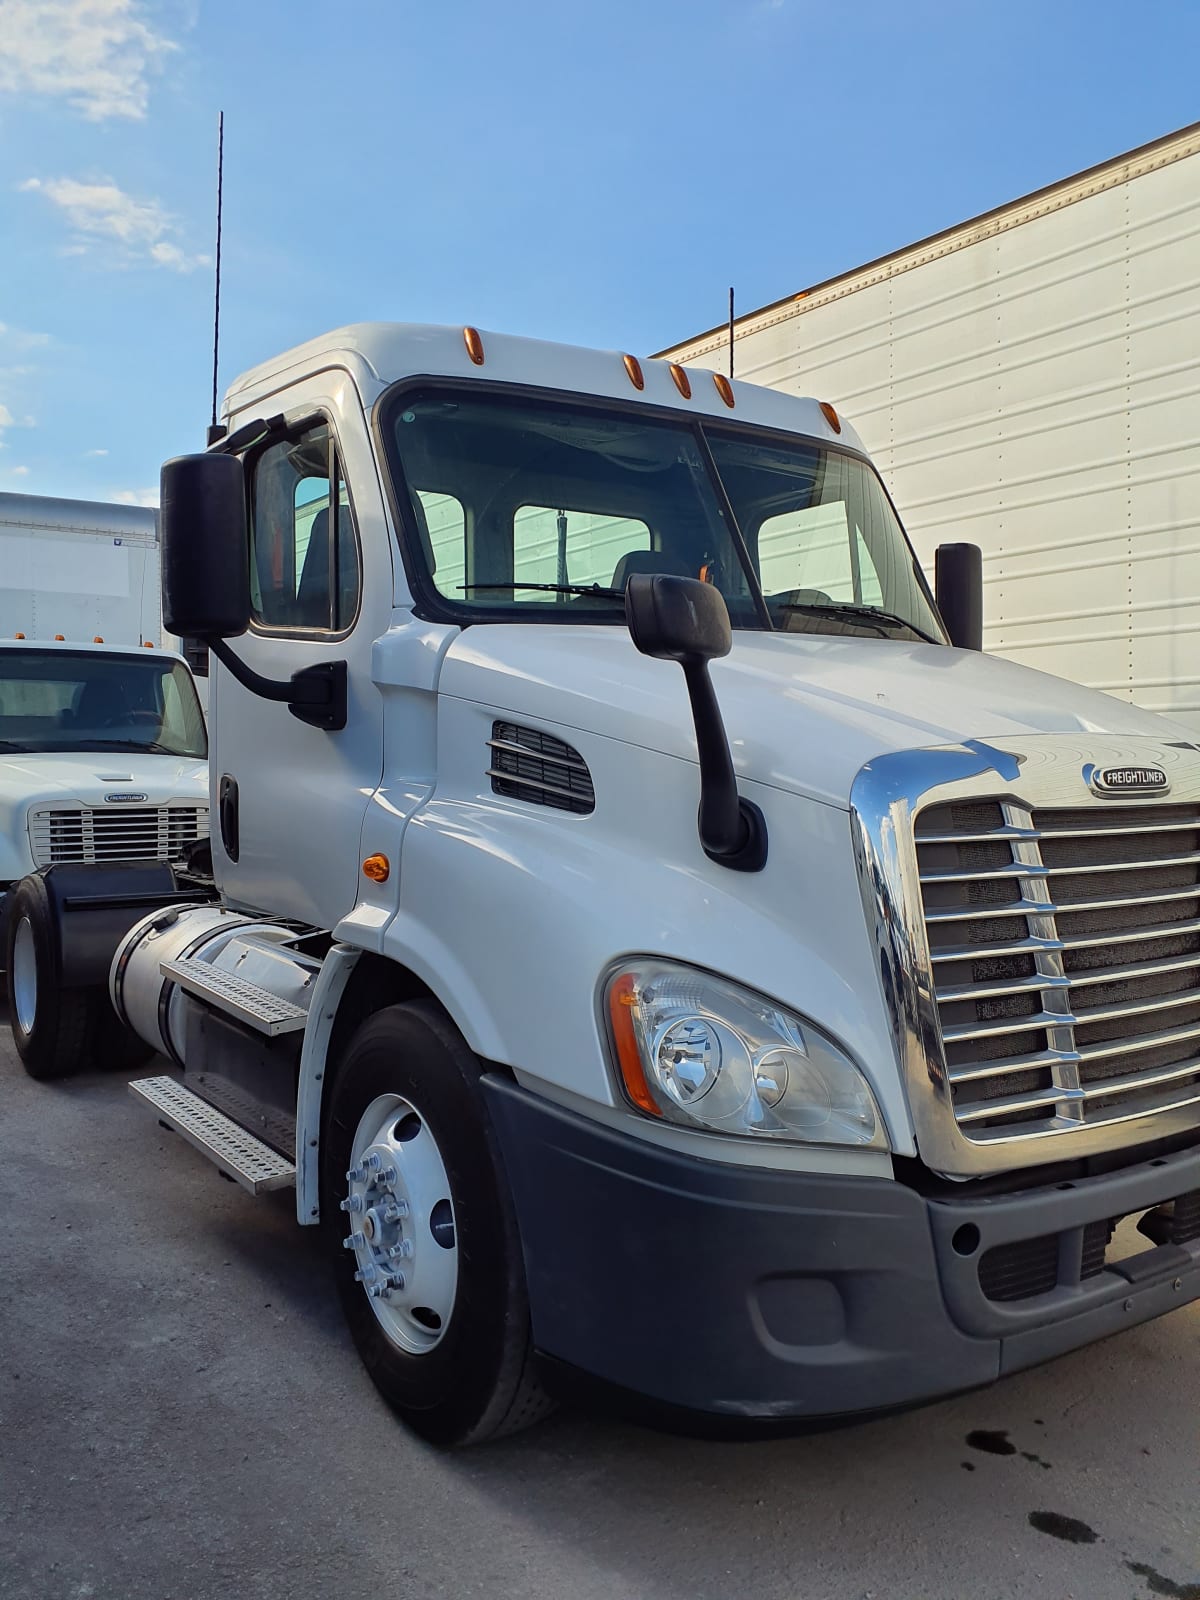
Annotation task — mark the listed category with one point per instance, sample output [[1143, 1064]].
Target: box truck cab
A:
[[656, 953]]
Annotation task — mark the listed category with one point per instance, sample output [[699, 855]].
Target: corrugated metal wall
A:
[[1031, 382]]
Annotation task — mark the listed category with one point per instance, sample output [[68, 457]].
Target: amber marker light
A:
[[377, 868], [149, 645], [18, 635], [97, 640], [724, 388], [634, 368], [622, 998], [681, 380], [474, 345], [60, 638], [831, 416]]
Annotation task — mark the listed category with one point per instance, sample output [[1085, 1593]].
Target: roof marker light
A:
[[97, 640], [148, 644], [831, 416], [60, 638], [474, 345], [724, 389], [18, 635], [634, 368], [681, 380]]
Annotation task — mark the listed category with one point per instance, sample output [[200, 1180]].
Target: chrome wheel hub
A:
[[402, 1228], [24, 975]]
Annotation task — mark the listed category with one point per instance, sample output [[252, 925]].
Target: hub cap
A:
[[402, 1228], [25, 975]]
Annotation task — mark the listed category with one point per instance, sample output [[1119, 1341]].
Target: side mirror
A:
[[958, 584], [205, 547], [684, 620], [677, 619]]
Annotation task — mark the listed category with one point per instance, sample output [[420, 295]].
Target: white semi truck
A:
[[1030, 380], [778, 1041]]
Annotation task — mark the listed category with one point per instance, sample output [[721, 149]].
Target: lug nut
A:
[[388, 1176], [366, 1274], [394, 1211], [356, 1174], [379, 1291], [401, 1251], [373, 1162], [352, 1202], [353, 1241], [396, 1280]]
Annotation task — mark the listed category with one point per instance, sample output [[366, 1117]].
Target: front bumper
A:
[[754, 1294]]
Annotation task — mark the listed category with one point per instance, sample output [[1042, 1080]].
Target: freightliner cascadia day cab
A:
[[778, 1038]]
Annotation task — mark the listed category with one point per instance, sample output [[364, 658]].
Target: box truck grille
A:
[[115, 833], [1066, 960], [530, 765]]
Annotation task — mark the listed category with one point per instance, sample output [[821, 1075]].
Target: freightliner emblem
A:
[[123, 799], [1125, 780]]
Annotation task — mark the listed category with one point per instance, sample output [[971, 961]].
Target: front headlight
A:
[[695, 1049]]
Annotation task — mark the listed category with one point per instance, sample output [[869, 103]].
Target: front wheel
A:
[[420, 1226], [51, 1027]]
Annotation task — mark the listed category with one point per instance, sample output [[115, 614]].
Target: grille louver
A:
[[114, 833], [533, 766], [1066, 960]]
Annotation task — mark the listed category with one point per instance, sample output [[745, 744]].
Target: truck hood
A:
[[90, 775], [804, 712]]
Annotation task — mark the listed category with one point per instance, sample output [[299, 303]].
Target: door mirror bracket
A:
[[316, 695]]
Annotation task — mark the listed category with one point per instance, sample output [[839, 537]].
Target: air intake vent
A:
[[534, 766]]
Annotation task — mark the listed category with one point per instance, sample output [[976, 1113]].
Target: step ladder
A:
[[249, 1002], [236, 1152]]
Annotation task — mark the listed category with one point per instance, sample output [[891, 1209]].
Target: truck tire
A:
[[420, 1227], [51, 1027]]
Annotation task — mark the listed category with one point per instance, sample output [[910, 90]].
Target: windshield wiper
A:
[[11, 744], [554, 588], [150, 746], [874, 614]]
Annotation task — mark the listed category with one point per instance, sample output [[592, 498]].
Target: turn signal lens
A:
[[622, 999], [18, 635], [60, 638], [681, 380], [634, 368], [474, 345], [724, 388], [377, 868], [97, 640], [831, 416], [149, 645]]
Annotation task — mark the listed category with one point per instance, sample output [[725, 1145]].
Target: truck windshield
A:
[[63, 700], [529, 509]]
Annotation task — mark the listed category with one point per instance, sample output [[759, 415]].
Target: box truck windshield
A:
[[67, 700]]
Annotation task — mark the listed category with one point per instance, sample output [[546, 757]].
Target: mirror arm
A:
[[733, 831], [316, 695]]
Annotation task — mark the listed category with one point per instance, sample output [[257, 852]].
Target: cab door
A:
[[289, 798]]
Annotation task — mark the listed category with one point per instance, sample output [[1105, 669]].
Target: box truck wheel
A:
[[51, 1027], [420, 1226]]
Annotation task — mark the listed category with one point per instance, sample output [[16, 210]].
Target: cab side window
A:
[[304, 571]]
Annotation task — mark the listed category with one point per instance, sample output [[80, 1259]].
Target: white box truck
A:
[[761, 1043], [1030, 380]]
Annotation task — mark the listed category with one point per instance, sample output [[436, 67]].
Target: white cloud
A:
[[141, 229], [95, 453], [19, 472], [99, 54], [6, 417], [137, 497]]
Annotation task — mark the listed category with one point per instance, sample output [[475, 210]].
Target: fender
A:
[[335, 974], [90, 909]]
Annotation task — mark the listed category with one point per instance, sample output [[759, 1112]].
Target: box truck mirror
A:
[[958, 582], [684, 620]]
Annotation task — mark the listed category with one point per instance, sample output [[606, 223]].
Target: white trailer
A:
[[1029, 381]]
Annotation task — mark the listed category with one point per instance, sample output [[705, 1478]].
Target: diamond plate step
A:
[[237, 1152], [225, 991]]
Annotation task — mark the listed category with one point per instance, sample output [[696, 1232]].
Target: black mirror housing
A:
[[205, 546], [677, 619], [958, 582]]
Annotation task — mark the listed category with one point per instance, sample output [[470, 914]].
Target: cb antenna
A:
[[730, 336], [215, 431]]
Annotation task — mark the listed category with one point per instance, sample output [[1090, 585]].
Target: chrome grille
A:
[[530, 765], [1065, 948], [114, 833]]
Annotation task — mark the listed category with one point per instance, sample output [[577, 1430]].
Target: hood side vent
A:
[[533, 766]]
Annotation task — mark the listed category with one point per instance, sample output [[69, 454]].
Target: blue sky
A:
[[592, 172]]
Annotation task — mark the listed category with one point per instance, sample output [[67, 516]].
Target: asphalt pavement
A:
[[182, 1417]]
